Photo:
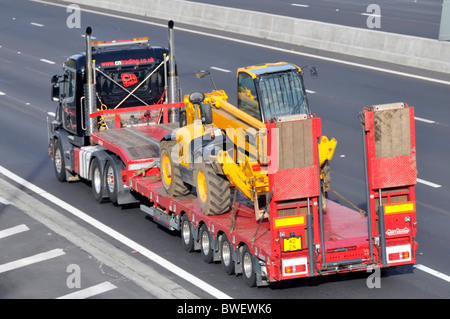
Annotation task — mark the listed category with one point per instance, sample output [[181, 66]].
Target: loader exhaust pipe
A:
[[89, 87], [173, 91]]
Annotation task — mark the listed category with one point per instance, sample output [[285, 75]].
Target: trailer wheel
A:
[[186, 234], [213, 191], [248, 267], [97, 180], [226, 255], [111, 178], [205, 244], [170, 173], [59, 162]]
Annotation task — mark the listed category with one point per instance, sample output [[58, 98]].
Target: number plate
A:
[[292, 243]]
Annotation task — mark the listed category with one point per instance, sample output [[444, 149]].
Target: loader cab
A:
[[121, 67], [272, 91]]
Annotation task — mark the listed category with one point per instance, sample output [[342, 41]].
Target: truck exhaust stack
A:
[[173, 92], [89, 87]]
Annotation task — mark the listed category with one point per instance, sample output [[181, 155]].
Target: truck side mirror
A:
[[55, 88]]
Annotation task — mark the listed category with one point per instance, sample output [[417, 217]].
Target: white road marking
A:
[[422, 181], [433, 272], [31, 260], [424, 120], [371, 15], [47, 61], [13, 230], [89, 292], [310, 92], [2, 93], [51, 114], [313, 56], [220, 69], [300, 5], [37, 24], [118, 236], [4, 201]]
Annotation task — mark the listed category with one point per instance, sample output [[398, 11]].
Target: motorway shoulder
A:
[[45, 255]]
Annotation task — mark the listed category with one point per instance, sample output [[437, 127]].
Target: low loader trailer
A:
[[286, 228]]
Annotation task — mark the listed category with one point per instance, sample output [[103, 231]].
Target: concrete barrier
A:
[[372, 44]]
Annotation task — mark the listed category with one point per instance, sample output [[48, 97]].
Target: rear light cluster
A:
[[294, 269], [399, 256]]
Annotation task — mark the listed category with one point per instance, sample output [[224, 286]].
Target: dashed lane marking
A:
[[89, 292], [47, 61], [422, 181], [31, 260], [300, 5], [424, 120], [220, 69], [13, 230]]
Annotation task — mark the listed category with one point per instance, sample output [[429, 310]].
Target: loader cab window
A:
[[282, 94], [247, 96]]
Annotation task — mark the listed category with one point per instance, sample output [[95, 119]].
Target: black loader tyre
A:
[[170, 172], [213, 190]]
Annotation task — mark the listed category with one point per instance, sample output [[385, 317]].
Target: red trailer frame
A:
[[299, 239]]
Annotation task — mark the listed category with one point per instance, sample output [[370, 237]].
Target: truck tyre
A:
[[59, 162], [170, 173], [213, 191], [248, 267], [97, 180], [111, 178], [205, 245], [186, 234], [226, 255]]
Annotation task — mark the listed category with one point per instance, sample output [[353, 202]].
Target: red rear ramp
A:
[[391, 178]]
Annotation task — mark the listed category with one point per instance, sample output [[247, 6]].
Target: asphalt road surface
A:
[[35, 41]]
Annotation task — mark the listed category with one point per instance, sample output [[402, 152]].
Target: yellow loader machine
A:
[[220, 146]]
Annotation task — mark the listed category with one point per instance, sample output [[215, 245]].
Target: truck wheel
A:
[[58, 162], [97, 180], [226, 255], [248, 267], [213, 191], [205, 244], [170, 173], [111, 179], [186, 234]]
